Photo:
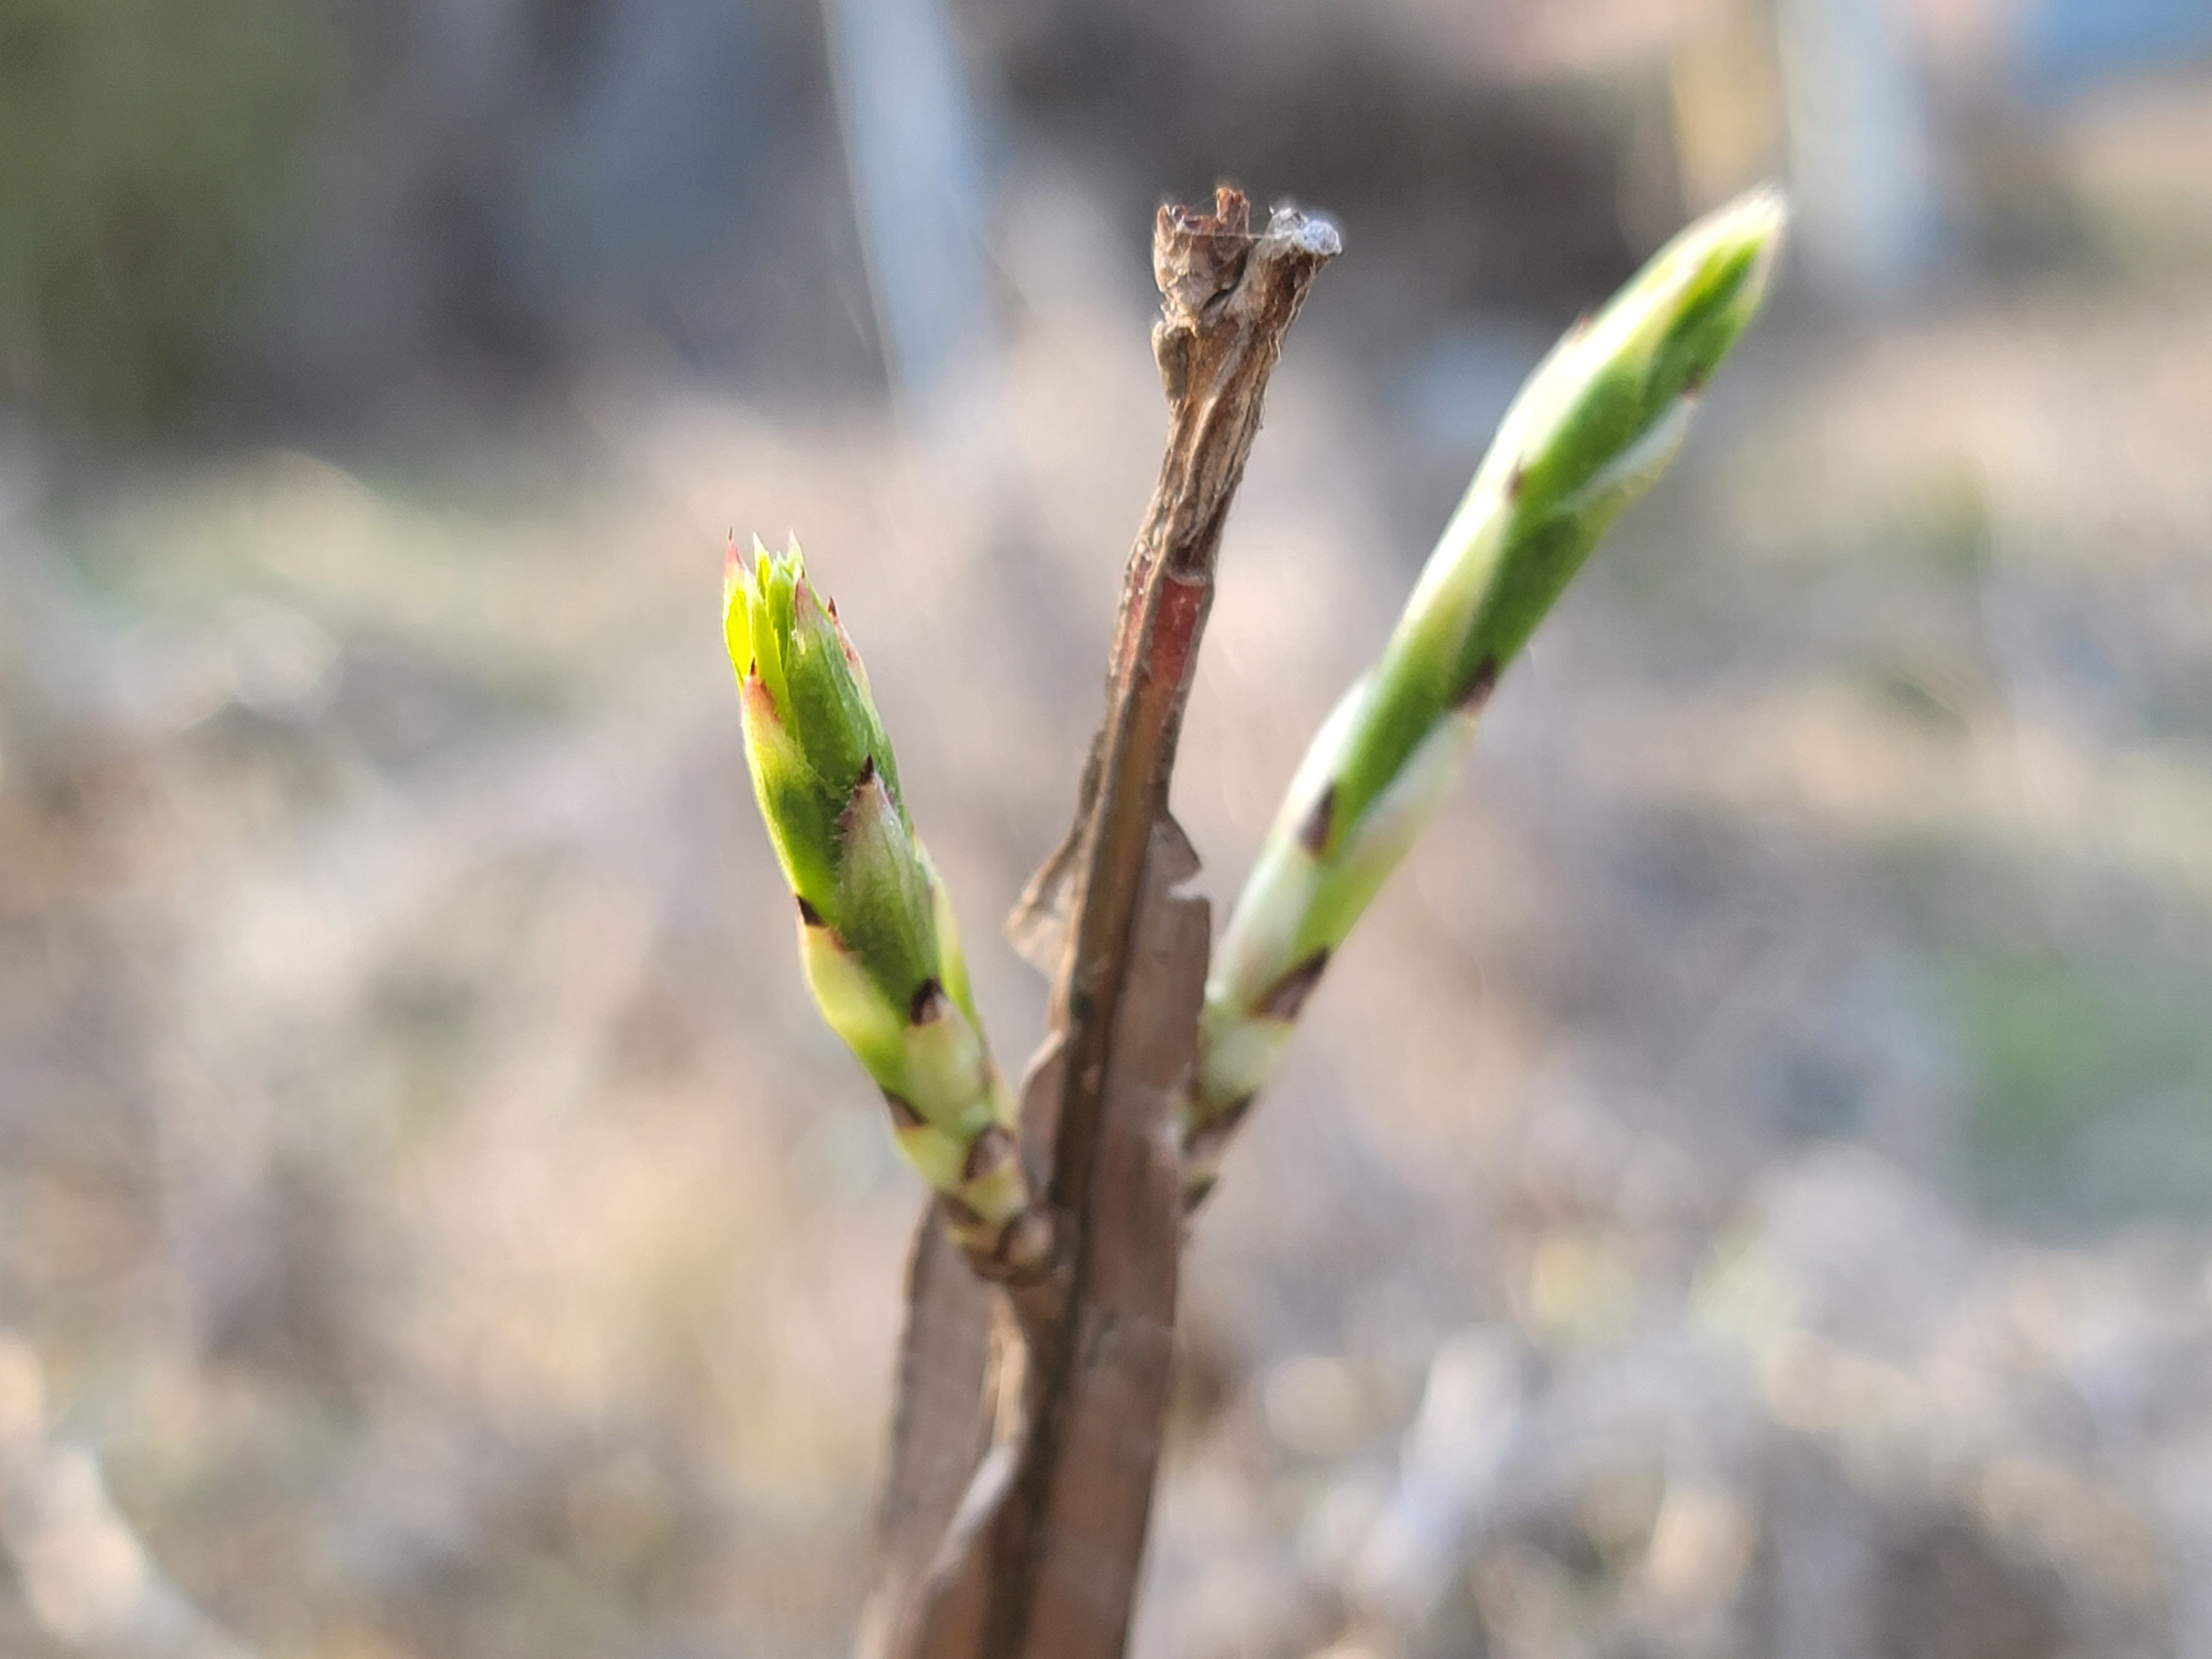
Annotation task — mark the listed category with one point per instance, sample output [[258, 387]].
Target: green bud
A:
[[883, 909], [1597, 421], [875, 933], [1595, 424], [851, 1001], [823, 773], [947, 1074], [800, 814]]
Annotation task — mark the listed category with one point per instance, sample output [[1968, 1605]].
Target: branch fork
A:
[[1033, 1387]]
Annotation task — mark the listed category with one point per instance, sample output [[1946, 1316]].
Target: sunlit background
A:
[[1745, 1192]]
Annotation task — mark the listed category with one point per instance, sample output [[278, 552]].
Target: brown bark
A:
[[1035, 1553]]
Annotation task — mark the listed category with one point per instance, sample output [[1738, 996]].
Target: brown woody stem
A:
[[1027, 1437], [1227, 299]]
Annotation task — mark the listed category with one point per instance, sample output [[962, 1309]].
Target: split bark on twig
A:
[[1022, 1539]]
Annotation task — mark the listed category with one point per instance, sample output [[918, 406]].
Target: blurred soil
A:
[[1744, 1192]]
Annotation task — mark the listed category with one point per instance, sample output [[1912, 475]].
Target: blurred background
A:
[[1744, 1193]]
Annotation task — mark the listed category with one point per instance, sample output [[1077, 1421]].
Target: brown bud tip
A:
[[845, 643], [928, 1002], [1480, 685], [807, 913], [867, 775], [1025, 1246], [990, 1153], [904, 1116], [1288, 994], [1514, 481], [1313, 830]]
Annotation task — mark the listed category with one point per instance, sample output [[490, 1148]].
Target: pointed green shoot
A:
[[1595, 424], [876, 935]]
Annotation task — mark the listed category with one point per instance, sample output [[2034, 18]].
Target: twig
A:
[[1226, 302], [1041, 1557]]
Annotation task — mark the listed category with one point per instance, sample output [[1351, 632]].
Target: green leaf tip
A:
[[1601, 415], [1598, 421], [876, 940], [815, 745]]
